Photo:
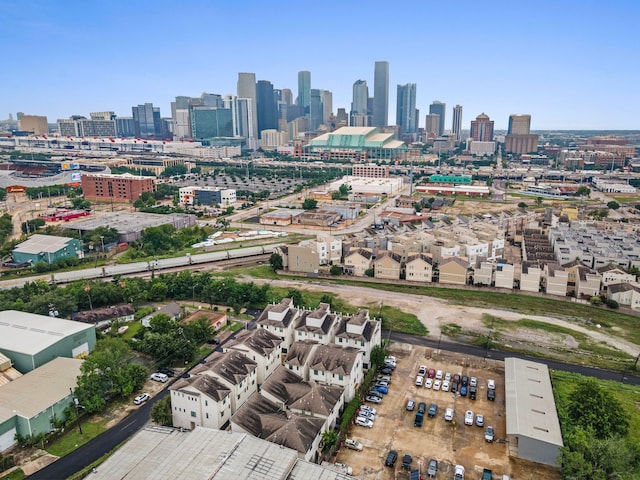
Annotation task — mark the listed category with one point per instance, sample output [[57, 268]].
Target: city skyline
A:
[[569, 66]]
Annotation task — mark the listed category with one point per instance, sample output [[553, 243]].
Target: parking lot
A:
[[451, 443]]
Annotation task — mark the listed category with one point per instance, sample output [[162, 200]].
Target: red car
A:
[[432, 373]]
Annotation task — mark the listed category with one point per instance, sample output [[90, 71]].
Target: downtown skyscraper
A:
[[381, 94], [267, 108], [304, 91], [247, 90], [439, 108], [406, 113], [456, 125], [360, 115]]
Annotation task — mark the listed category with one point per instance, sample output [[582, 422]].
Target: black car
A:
[[406, 461], [392, 456], [386, 370], [422, 407], [433, 410], [491, 394], [167, 371], [472, 392], [465, 380], [454, 387]]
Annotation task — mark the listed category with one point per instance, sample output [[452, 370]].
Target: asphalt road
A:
[[107, 441]]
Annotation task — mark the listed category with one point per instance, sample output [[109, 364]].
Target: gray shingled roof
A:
[[204, 383], [334, 359], [231, 366], [259, 340]]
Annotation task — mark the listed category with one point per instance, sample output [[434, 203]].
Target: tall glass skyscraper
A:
[[267, 111], [406, 114], [146, 121], [304, 90], [247, 89], [381, 94], [439, 108], [456, 126]]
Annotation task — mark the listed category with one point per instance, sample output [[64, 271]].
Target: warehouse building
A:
[[47, 248], [533, 428], [31, 340]]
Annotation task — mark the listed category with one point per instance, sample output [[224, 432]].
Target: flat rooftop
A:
[[132, 222]]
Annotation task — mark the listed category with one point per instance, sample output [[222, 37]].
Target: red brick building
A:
[[117, 188]]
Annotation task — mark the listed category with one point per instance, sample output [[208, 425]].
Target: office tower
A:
[[247, 90], [439, 108], [342, 117], [267, 112], [241, 112], [147, 122], [456, 126], [125, 127], [327, 105], [519, 124], [359, 115], [210, 122], [304, 91], [381, 94], [316, 110], [432, 124], [35, 124], [287, 96], [406, 109], [519, 138], [211, 100], [180, 115], [482, 129]]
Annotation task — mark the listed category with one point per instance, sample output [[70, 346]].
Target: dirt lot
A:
[[450, 443]]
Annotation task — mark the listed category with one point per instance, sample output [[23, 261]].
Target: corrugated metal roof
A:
[[43, 243]]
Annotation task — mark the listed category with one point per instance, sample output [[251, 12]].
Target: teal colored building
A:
[[451, 179], [31, 340], [47, 248], [29, 405]]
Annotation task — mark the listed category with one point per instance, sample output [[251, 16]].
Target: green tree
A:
[[377, 355], [538, 201], [161, 412], [309, 204], [335, 270], [369, 272], [583, 191], [344, 189], [596, 410], [329, 439], [522, 205], [296, 297], [276, 262], [80, 204], [174, 170], [32, 225], [613, 205], [199, 330]]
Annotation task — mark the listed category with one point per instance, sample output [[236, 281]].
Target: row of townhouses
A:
[[286, 381]]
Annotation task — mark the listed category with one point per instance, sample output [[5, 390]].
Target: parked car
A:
[[463, 391], [353, 444], [375, 394], [140, 399], [473, 382], [433, 410], [422, 407], [465, 380], [382, 383], [479, 420], [428, 383], [458, 472], [419, 380], [456, 378], [392, 456], [455, 386], [381, 388], [384, 378], [491, 384], [449, 414], [445, 386], [159, 377], [411, 405], [491, 394], [167, 371], [432, 373], [468, 417], [422, 370], [391, 358], [386, 370], [406, 461], [367, 415], [472, 392], [364, 422], [447, 377], [367, 408], [373, 399], [432, 469], [488, 434], [437, 384], [439, 374]]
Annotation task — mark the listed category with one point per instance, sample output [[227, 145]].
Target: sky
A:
[[571, 64]]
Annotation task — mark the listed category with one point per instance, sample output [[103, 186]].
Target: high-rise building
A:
[[267, 112], [439, 108], [519, 124], [519, 139], [316, 109], [180, 115], [286, 96], [456, 126], [482, 129], [210, 122], [35, 124], [327, 105], [247, 90], [406, 113], [381, 94], [304, 90], [125, 127], [360, 97], [147, 122], [432, 124]]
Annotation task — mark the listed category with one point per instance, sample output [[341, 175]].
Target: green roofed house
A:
[[357, 144], [30, 404], [31, 340], [47, 248]]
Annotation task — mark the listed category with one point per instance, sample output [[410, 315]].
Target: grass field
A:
[[72, 438]]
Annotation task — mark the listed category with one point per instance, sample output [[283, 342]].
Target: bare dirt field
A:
[[451, 443]]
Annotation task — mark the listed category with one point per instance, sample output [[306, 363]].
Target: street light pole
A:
[[75, 402], [193, 294]]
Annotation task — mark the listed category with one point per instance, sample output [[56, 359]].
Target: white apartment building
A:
[[318, 325], [361, 332], [261, 346], [280, 319], [504, 275], [530, 278], [419, 267], [329, 248], [299, 357], [200, 401], [336, 365]]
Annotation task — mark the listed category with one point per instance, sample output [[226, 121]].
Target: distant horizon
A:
[[569, 65]]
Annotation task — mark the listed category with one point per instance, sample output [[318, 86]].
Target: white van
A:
[[159, 377]]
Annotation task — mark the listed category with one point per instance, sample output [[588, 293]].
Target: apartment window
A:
[[222, 414], [315, 372], [340, 340], [206, 415], [206, 403], [340, 377], [193, 414], [238, 396]]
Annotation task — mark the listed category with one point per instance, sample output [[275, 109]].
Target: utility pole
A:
[[77, 405]]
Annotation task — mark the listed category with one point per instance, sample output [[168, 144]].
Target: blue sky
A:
[[570, 64]]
